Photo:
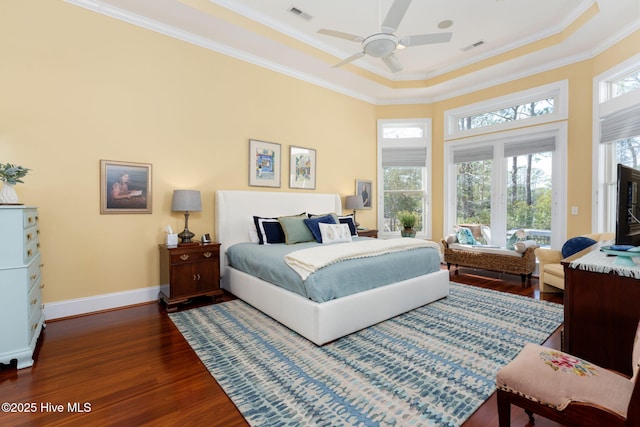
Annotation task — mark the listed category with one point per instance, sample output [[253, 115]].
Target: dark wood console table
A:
[[601, 310]]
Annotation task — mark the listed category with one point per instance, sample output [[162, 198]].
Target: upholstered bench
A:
[[520, 261]]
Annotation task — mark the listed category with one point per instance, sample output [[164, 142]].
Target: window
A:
[[404, 152], [544, 104], [616, 136], [626, 84], [506, 182], [519, 112]]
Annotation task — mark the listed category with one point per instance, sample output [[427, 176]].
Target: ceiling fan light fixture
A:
[[380, 45]]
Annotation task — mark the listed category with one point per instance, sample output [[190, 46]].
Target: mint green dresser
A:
[[21, 315]]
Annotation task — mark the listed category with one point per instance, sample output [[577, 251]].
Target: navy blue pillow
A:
[[348, 219], [269, 230], [575, 245], [313, 224]]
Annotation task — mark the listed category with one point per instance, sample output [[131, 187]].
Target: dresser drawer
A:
[[31, 251], [30, 218], [33, 272], [35, 309], [31, 234]]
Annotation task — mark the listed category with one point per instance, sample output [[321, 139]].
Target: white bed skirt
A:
[[325, 322]]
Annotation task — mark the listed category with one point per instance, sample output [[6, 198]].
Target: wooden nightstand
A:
[[190, 271], [368, 233]]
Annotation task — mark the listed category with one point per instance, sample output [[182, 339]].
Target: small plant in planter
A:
[[408, 221], [11, 175]]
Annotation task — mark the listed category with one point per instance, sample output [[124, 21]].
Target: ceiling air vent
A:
[[300, 13], [474, 45]]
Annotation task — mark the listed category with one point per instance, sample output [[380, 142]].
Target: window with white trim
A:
[[404, 176], [539, 105], [616, 136]]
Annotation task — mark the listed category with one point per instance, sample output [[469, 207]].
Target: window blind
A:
[[622, 124], [404, 156], [522, 148], [474, 154]]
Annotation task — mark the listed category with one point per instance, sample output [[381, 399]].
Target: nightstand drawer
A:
[[193, 256]]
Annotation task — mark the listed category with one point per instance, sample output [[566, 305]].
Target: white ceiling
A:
[[265, 32]]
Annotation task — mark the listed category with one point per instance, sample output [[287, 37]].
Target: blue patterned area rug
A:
[[432, 366]]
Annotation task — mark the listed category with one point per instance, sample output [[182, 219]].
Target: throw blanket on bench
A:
[[307, 261]]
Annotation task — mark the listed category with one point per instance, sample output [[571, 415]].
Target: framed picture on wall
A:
[[125, 187], [264, 164], [365, 189], [302, 168]]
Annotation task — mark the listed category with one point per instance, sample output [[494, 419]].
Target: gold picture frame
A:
[[125, 187]]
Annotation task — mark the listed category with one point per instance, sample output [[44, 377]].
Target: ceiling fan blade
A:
[[349, 59], [341, 35], [392, 62], [425, 39], [394, 16]]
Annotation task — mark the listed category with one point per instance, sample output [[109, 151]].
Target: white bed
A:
[[318, 322]]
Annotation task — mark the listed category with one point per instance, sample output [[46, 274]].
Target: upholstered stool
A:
[[567, 389]]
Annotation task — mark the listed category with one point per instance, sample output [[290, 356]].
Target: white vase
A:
[[8, 194]]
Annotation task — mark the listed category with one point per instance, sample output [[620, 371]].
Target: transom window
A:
[[626, 84], [539, 105], [519, 112]]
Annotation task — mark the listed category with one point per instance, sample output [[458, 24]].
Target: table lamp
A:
[[354, 202], [186, 201]]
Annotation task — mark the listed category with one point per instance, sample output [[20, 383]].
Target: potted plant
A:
[[10, 175], [408, 221]]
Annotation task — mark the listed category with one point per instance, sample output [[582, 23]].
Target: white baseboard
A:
[[78, 306]]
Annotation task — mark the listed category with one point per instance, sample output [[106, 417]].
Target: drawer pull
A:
[[34, 276], [207, 254], [30, 219], [29, 236], [34, 326], [29, 252], [196, 276], [38, 245], [184, 257], [34, 301], [42, 285]]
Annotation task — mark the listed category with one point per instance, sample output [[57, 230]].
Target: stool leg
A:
[[504, 409]]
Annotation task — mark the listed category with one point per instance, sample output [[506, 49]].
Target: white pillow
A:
[[524, 245], [253, 234], [334, 233]]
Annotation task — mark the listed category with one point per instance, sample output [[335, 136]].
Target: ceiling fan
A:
[[383, 44]]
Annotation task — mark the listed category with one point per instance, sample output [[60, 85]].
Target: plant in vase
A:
[[11, 175], [408, 221]]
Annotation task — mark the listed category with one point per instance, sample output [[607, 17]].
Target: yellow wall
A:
[[78, 87]]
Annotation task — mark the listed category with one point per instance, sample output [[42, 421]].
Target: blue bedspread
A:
[[334, 281]]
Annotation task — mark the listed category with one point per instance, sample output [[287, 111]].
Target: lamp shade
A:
[[186, 201], [353, 202]]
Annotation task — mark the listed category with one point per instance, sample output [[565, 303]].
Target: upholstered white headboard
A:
[[234, 210]]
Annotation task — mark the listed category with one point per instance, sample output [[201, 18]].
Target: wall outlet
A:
[[574, 210]]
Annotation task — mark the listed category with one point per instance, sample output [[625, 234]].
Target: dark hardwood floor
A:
[[132, 367]]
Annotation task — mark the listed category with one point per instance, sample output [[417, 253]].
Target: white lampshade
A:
[[186, 201]]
